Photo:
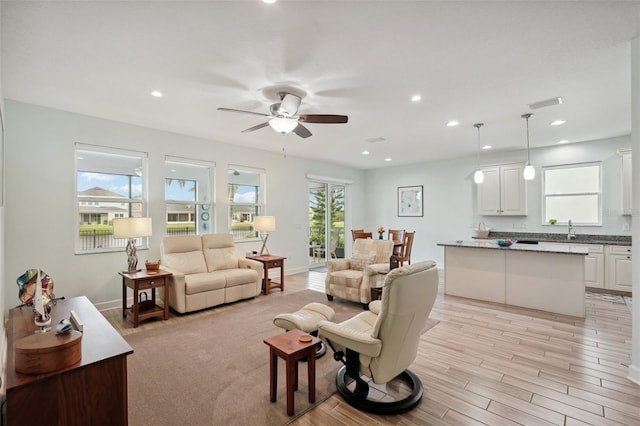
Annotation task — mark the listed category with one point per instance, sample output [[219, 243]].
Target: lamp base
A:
[[132, 259], [264, 244]]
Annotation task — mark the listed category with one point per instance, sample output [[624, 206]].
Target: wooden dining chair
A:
[[362, 234], [406, 248], [397, 235], [354, 231]]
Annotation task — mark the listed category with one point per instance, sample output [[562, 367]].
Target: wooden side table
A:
[[288, 347], [270, 262], [144, 280]]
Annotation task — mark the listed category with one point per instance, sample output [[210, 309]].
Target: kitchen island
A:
[[545, 277]]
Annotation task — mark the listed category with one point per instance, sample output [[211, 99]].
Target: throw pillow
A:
[[358, 262]]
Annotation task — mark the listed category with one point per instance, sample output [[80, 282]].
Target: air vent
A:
[[546, 103]]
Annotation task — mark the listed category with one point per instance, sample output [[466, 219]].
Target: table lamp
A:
[[264, 225], [132, 228]]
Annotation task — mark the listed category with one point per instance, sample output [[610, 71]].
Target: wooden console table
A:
[[91, 392], [144, 280], [270, 262]]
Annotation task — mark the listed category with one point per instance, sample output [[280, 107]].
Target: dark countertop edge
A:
[[618, 240]]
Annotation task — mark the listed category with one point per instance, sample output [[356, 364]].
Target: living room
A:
[[39, 200]]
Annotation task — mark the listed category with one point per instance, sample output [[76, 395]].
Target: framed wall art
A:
[[410, 201]]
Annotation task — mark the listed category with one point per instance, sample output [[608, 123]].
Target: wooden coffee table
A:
[[288, 347]]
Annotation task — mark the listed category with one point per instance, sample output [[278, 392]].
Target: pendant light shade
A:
[[478, 176], [529, 173]]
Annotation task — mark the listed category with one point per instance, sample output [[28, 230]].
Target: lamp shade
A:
[[283, 125], [478, 176], [264, 223], [132, 227], [529, 173]]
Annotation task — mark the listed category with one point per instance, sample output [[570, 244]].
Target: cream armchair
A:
[[383, 342], [353, 278]]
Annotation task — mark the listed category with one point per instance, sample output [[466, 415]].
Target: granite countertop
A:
[[540, 248], [618, 240]]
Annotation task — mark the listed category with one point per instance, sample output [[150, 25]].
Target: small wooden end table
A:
[[144, 280], [270, 261], [288, 347]]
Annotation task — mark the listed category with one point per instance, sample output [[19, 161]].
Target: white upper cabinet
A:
[[626, 183], [503, 192]]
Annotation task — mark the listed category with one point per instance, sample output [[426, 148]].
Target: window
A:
[[573, 192], [246, 200], [110, 183], [187, 194]]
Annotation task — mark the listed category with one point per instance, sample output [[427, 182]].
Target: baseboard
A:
[[634, 374]]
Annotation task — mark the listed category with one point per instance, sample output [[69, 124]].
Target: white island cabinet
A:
[[549, 278]]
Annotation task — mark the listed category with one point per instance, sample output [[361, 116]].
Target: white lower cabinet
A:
[[619, 268]]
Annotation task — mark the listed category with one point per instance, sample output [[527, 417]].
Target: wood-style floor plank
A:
[[492, 364]]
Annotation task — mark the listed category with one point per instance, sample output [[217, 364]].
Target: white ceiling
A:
[[471, 61]]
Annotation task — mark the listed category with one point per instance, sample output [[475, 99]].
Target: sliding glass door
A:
[[326, 222]]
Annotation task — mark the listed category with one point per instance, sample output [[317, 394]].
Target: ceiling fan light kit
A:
[[283, 125]]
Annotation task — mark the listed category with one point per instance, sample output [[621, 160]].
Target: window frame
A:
[[597, 193], [261, 199], [115, 245], [203, 208]]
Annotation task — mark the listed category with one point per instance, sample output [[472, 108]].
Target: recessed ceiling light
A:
[[156, 93], [558, 122], [269, 1], [452, 123], [487, 147], [365, 152], [387, 159], [563, 141], [416, 98]]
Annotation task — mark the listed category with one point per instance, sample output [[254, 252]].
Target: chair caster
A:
[[360, 402]]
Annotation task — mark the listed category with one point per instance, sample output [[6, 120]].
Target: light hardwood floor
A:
[[491, 364]]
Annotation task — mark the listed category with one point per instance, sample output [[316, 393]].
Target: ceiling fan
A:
[[283, 118]]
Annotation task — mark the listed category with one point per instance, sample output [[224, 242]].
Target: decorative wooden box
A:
[[47, 352]]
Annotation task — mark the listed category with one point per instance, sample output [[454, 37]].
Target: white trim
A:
[[189, 161], [328, 179], [634, 374]]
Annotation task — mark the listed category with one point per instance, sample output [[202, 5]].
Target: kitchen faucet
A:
[[571, 233]]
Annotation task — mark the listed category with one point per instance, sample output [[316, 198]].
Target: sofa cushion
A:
[[358, 262], [347, 278], [236, 277], [219, 252], [187, 263], [198, 283]]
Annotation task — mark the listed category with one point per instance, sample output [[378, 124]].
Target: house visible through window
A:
[[573, 192], [246, 200], [109, 184], [188, 196]]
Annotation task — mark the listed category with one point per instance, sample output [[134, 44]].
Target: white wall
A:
[[450, 195], [41, 184]]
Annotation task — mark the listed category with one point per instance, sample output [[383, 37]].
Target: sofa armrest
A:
[[337, 265], [243, 262], [376, 268], [177, 289]]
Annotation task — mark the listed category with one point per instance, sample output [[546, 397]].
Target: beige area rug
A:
[[214, 369]]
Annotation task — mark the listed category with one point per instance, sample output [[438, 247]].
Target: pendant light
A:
[[529, 172], [478, 176]]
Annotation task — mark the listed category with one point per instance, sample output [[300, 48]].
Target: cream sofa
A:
[[207, 271]]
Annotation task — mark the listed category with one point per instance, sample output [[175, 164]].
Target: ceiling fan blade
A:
[[243, 111], [256, 127], [323, 118], [289, 105], [302, 131]]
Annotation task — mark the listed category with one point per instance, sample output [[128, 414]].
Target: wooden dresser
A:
[[91, 392]]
